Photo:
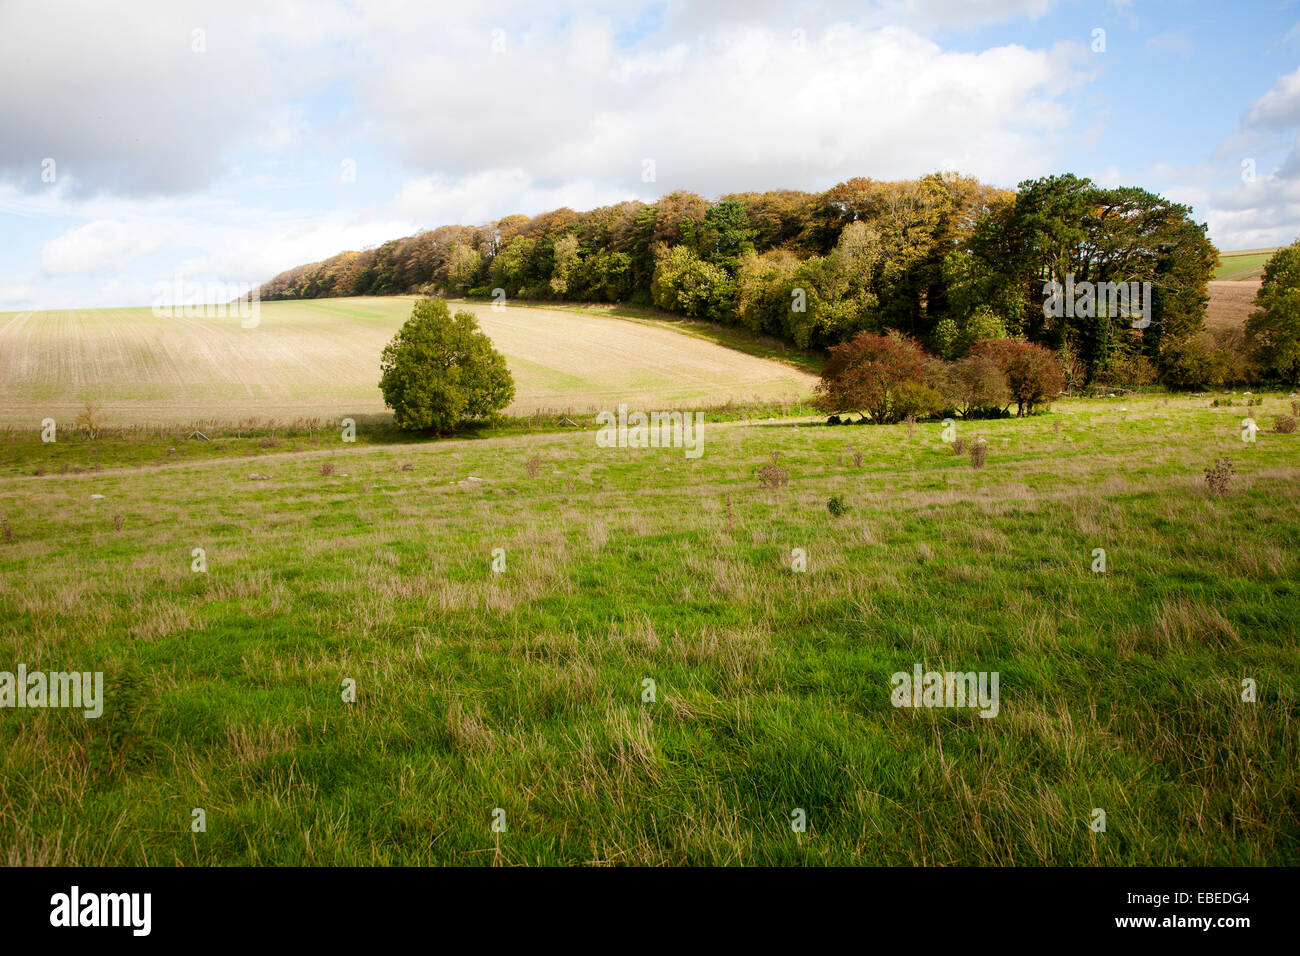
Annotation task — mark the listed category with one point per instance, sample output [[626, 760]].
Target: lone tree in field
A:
[[440, 370]]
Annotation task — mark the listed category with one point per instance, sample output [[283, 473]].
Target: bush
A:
[[836, 506], [1033, 373], [1129, 370], [1192, 362], [773, 475], [1218, 476], [913, 400], [1237, 361], [979, 386], [1284, 424], [867, 374], [440, 370]]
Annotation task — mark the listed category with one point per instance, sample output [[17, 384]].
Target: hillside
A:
[[1245, 264], [320, 359]]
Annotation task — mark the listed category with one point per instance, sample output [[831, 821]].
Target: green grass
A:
[[523, 690], [1247, 264]]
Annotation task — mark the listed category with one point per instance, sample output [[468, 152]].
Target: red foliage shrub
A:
[[1033, 373], [867, 374]]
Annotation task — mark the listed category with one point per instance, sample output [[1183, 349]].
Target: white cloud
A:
[[745, 107], [224, 163], [254, 253], [1280, 106], [436, 200], [100, 245]]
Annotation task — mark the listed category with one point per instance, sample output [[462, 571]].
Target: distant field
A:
[[1231, 303], [1243, 264], [320, 359]]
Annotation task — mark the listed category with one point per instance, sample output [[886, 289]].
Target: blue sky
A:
[[209, 141]]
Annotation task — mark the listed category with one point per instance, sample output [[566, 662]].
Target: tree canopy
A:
[[945, 260], [440, 370]]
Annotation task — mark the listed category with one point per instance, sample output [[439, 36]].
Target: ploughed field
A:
[[319, 359]]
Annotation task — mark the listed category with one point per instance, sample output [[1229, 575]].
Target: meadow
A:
[[1242, 265], [519, 695]]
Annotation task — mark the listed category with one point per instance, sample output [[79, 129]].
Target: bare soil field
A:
[[320, 359], [1231, 303]]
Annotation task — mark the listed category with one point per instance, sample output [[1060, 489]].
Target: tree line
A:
[[945, 261]]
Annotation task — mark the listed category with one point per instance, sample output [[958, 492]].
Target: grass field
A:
[[320, 359], [1244, 264], [523, 691]]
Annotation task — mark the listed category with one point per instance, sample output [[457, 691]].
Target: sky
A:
[[146, 143]]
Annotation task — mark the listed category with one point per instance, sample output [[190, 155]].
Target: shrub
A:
[[836, 506], [983, 324], [1284, 424], [1238, 364], [978, 452], [1192, 362], [867, 373], [959, 446], [979, 386], [1218, 476], [91, 419], [1128, 370], [686, 284], [1033, 373], [945, 338], [440, 370], [913, 400], [773, 475]]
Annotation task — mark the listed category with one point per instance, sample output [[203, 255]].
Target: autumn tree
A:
[[1033, 373], [869, 374]]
